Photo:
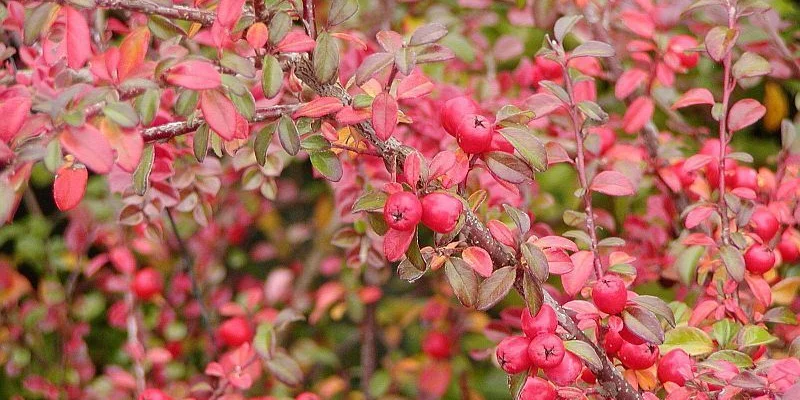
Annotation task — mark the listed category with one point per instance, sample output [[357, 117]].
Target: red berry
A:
[[153, 394], [453, 109], [474, 133], [671, 364], [638, 356], [536, 388], [612, 341], [765, 225], [565, 373], [436, 344], [545, 321], [679, 44], [609, 294], [588, 376], [235, 332], [759, 259], [402, 211], [788, 248], [147, 283], [546, 350], [440, 212], [746, 178], [512, 354]]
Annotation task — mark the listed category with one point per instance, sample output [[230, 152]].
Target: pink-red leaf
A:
[[694, 96], [219, 112], [132, 51], [69, 186], [396, 242], [745, 113], [612, 183], [574, 280], [414, 86], [319, 107], [697, 216], [295, 42], [90, 147], [628, 82], [77, 38], [195, 75], [14, 112], [542, 104], [384, 115], [479, 260], [639, 112], [229, 11]]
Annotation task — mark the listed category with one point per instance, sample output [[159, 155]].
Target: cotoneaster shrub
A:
[[471, 199]]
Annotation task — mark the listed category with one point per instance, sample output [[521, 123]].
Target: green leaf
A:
[[508, 167], [264, 341], [245, 104], [163, 28], [285, 369], [723, 331], [287, 133], [328, 164], [738, 358], [141, 176], [200, 142], [564, 25], [656, 306], [593, 112], [147, 105], [751, 65], [262, 142], [279, 26], [238, 64], [733, 260], [516, 382], [427, 34], [326, 58], [121, 113], [753, 335], [408, 272], [688, 338], [520, 218], [719, 41], [496, 287], [536, 260], [37, 21], [593, 48], [52, 156], [585, 352], [463, 280], [271, 76], [686, 263], [644, 324], [370, 201], [532, 291], [341, 11], [529, 147], [780, 315], [186, 103]]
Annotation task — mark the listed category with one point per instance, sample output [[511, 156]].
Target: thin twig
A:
[[727, 89], [173, 129]]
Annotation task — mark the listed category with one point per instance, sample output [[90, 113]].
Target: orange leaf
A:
[[132, 51], [69, 186]]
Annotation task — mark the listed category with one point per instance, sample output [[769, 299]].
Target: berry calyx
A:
[[638, 356], [671, 364], [402, 211], [759, 259], [765, 225], [546, 350], [147, 283], [609, 294], [436, 344], [536, 388], [474, 133], [440, 212], [453, 109], [545, 321], [566, 372], [235, 332], [512, 354]]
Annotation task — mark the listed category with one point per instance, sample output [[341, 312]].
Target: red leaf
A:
[[414, 86], [479, 260], [257, 35], [396, 242], [229, 11], [696, 162], [90, 147], [639, 112], [556, 242], [745, 113], [127, 144], [14, 112], [542, 104], [558, 261], [69, 186], [77, 38], [574, 280], [384, 115], [195, 75], [694, 96], [639, 23], [219, 112], [122, 259], [411, 169], [350, 116], [501, 232], [132, 51], [319, 107], [697, 215], [628, 82], [295, 42], [612, 183], [760, 289], [434, 379]]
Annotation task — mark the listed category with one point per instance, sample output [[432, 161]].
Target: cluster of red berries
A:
[[539, 348], [473, 131], [438, 211]]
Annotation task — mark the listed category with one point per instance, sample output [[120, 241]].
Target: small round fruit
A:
[[759, 259], [746, 178], [147, 283], [638, 356], [567, 372], [440, 212], [453, 109], [630, 337], [545, 321], [402, 211], [436, 344], [765, 225], [612, 341], [670, 365], [788, 248], [153, 394], [546, 350], [512, 354], [235, 332], [474, 133], [536, 388], [609, 294]]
